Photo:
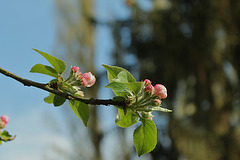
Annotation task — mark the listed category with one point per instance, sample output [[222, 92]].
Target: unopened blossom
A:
[[80, 93], [4, 118], [88, 79], [147, 82], [75, 69], [160, 91], [157, 102], [2, 124], [149, 88]]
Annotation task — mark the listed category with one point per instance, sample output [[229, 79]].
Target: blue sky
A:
[[25, 25]]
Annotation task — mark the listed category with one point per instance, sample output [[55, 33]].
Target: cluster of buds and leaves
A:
[[4, 119], [4, 135], [148, 99], [139, 99], [76, 80]]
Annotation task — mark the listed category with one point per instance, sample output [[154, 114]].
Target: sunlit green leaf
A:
[[58, 64], [5, 136], [145, 137], [120, 89], [135, 87], [127, 120], [81, 110], [43, 69], [113, 72], [123, 77], [49, 99], [124, 89]]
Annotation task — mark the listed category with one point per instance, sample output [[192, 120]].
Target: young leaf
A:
[[122, 77], [49, 99], [120, 89], [127, 120], [135, 87], [145, 137], [58, 100], [118, 98], [40, 68], [124, 89], [5, 136], [58, 64], [81, 110], [113, 72]]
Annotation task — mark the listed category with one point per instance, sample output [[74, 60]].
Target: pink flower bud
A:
[[160, 91], [84, 81], [147, 82], [88, 79], [80, 73], [3, 124], [80, 93], [75, 69], [157, 102], [5, 119], [149, 88]]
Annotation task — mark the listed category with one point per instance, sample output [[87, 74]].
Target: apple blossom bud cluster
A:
[[158, 90], [4, 119], [76, 80], [149, 99]]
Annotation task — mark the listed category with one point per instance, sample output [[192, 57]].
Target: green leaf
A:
[[118, 98], [127, 120], [49, 99], [81, 110], [135, 87], [43, 69], [53, 81], [145, 137], [120, 89], [123, 77], [58, 100], [124, 89], [5, 136], [113, 72], [58, 64]]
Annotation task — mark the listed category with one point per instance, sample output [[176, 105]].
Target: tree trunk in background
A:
[[76, 35]]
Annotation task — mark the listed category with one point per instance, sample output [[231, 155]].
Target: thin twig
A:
[[46, 87]]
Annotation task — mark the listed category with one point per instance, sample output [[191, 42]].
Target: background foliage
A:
[[192, 47]]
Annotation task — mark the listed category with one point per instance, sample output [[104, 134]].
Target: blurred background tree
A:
[[192, 47]]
